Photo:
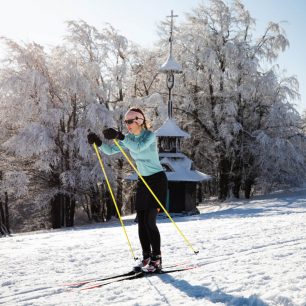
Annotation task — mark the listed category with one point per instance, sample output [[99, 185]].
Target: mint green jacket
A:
[[142, 148]]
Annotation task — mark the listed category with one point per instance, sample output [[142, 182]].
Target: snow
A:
[[171, 66], [171, 129], [181, 170], [252, 252]]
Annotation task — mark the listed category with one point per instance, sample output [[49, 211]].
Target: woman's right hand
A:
[[93, 138]]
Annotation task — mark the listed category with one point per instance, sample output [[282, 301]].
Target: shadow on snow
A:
[[216, 296]]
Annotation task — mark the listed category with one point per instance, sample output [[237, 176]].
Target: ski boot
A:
[[154, 265], [144, 262]]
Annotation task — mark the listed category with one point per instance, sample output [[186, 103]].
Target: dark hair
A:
[[138, 110]]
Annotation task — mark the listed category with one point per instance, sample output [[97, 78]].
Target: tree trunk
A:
[[109, 206], [2, 231], [248, 188], [86, 206], [102, 205], [250, 175], [199, 193], [70, 208], [62, 211], [237, 178], [56, 212], [95, 206], [224, 169], [6, 212], [236, 187]]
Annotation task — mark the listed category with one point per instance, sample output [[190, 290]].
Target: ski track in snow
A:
[[252, 252]]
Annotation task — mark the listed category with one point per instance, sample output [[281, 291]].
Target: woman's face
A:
[[131, 124]]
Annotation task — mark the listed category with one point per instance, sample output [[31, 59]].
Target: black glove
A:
[[113, 134], [120, 136], [93, 138]]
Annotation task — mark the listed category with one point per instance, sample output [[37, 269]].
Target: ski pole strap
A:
[[113, 198], [155, 197]]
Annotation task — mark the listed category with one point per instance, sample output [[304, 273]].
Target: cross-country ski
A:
[[127, 274], [134, 275]]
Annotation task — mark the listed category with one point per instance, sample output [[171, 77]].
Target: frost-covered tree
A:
[[51, 102], [103, 56], [225, 88], [143, 71]]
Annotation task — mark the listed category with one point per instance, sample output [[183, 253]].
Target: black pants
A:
[[159, 184], [148, 232]]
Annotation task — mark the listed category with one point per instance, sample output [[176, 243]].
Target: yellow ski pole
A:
[[155, 197], [113, 198]]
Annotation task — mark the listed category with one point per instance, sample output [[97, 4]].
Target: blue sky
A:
[[42, 21]]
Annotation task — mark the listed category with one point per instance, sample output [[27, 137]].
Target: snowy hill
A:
[[251, 253]]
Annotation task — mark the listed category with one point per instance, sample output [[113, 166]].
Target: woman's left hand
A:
[[111, 133]]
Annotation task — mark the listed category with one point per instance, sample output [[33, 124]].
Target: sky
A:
[[43, 21]]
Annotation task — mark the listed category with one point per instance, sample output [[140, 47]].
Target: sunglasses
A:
[[130, 121]]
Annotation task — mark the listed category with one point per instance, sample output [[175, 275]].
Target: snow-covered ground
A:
[[251, 253]]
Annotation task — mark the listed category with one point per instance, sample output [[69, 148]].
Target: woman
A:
[[142, 146]]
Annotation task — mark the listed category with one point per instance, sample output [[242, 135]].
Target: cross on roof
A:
[[171, 30]]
